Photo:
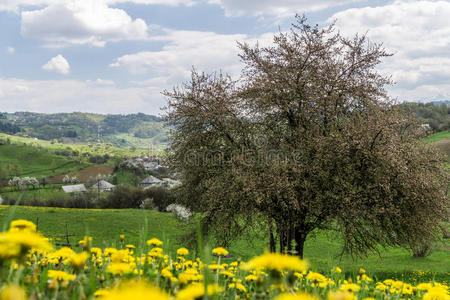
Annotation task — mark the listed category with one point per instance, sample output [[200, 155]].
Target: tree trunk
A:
[[272, 239], [300, 238], [289, 239], [281, 238]]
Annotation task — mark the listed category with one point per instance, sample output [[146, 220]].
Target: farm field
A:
[[93, 148], [105, 226], [36, 162]]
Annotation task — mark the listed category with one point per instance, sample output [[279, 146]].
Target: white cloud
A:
[[100, 81], [57, 64], [206, 51], [10, 50], [281, 8], [51, 96], [417, 33], [153, 2], [72, 22], [16, 5]]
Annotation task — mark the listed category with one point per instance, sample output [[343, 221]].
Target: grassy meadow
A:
[[322, 251], [439, 136], [92, 148], [35, 162]]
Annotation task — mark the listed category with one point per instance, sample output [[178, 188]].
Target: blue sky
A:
[[116, 56]]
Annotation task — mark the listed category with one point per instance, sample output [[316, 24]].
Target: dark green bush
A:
[[161, 197], [123, 196]]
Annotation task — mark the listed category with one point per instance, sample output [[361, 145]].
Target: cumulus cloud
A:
[[417, 33], [282, 8], [206, 51], [100, 81], [10, 50], [57, 64], [15, 5], [51, 96], [89, 22]]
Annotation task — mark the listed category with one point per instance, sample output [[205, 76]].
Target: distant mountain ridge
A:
[[120, 130]]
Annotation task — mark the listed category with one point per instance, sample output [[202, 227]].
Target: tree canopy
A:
[[307, 138]]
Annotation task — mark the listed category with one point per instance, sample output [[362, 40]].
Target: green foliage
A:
[[123, 196], [437, 116], [161, 197]]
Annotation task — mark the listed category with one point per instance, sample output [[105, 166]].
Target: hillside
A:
[[23, 160], [134, 130]]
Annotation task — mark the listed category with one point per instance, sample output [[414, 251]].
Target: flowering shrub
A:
[[32, 269], [180, 212]]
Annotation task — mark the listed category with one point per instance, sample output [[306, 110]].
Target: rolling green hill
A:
[[23, 160], [134, 130]]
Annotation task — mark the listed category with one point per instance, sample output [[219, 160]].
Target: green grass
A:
[[438, 136], [322, 251], [104, 225], [36, 162], [128, 177], [92, 148]]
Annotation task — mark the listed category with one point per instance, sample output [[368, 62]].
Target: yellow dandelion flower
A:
[[156, 252], [154, 242], [350, 287], [101, 293], [26, 240], [300, 296], [341, 295], [276, 261], [197, 290], [85, 241], [220, 251], [109, 251], [251, 277], [18, 225], [60, 275], [437, 293], [316, 277], [120, 268], [135, 291], [13, 292], [9, 251], [214, 267], [338, 270], [182, 251], [424, 286], [166, 273], [226, 273], [237, 286], [77, 261]]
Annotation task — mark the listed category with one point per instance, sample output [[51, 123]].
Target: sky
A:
[[117, 56]]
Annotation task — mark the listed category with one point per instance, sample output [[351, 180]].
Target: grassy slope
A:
[[95, 149], [106, 226], [435, 137], [36, 162]]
